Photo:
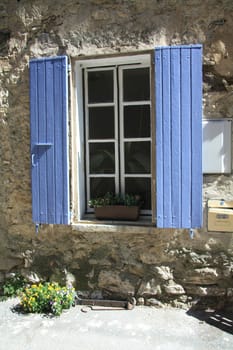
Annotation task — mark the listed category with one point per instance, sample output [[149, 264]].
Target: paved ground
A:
[[141, 328]]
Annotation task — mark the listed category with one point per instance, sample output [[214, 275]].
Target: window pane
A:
[[99, 186], [137, 121], [137, 157], [102, 158], [141, 187], [100, 86], [136, 84], [101, 122]]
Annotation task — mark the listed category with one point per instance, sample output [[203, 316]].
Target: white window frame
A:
[[115, 140], [77, 124], [122, 104]]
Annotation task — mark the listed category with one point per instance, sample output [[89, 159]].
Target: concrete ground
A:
[[138, 329]]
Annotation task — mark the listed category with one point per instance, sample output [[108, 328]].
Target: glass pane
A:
[[102, 158], [99, 186], [137, 157], [141, 187], [136, 84], [137, 121], [100, 86], [101, 122]]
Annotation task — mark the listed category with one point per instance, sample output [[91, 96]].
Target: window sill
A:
[[91, 224]]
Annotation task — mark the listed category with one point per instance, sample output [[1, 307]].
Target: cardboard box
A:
[[220, 215]]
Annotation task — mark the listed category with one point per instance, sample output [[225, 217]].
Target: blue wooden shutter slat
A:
[[58, 141], [60, 137], [178, 86], [50, 133], [166, 136], [34, 140], [159, 135], [186, 137], [66, 203], [42, 133], [176, 141], [196, 211], [49, 140]]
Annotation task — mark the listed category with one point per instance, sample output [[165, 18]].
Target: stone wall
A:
[[154, 265]]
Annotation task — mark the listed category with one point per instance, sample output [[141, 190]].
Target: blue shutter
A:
[[178, 89], [49, 140]]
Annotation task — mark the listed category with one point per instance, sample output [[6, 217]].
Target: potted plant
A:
[[116, 206]]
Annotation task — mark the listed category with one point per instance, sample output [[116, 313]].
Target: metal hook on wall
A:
[[37, 226], [191, 233]]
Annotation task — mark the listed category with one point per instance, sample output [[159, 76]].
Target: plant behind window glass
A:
[[115, 199]]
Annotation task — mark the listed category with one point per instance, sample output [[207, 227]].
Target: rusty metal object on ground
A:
[[101, 305]]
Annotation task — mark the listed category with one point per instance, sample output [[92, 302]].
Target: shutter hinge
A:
[[37, 226], [191, 233], [69, 68]]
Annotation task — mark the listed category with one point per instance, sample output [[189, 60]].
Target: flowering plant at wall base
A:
[[48, 298], [116, 207], [12, 286]]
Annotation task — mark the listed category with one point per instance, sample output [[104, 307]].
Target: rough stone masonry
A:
[[156, 266]]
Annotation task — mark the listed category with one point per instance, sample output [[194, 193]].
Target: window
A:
[[117, 124], [158, 155], [114, 125]]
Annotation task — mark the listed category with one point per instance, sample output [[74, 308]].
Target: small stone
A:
[[230, 292], [154, 302], [149, 288], [179, 304], [70, 279], [31, 277], [174, 288], [164, 272], [140, 301]]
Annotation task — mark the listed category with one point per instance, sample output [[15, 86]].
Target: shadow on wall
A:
[[221, 319], [4, 42]]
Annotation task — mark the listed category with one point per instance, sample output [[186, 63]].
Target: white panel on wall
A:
[[216, 148]]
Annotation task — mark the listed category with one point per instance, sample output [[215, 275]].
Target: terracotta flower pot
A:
[[117, 212]]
